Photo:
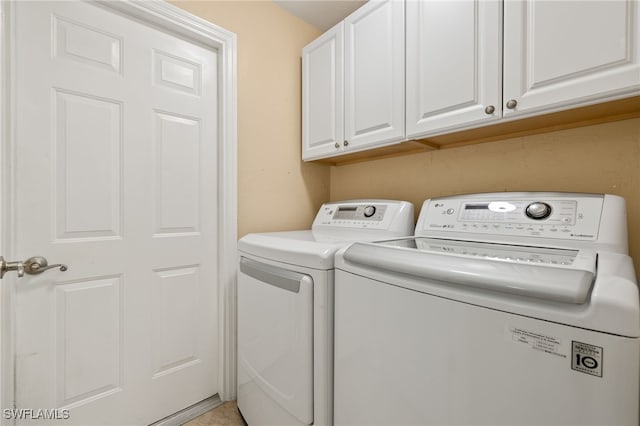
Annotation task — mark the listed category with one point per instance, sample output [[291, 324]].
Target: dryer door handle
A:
[[272, 275]]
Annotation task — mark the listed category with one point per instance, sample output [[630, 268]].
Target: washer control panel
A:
[[547, 216]]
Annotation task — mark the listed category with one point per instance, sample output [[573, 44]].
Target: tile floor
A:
[[225, 415]]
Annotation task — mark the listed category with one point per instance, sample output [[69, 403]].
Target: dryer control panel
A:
[[383, 215], [544, 215]]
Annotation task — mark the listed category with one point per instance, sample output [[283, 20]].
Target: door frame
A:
[[172, 20]]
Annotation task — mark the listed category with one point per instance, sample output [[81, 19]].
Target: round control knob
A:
[[538, 210], [369, 211]]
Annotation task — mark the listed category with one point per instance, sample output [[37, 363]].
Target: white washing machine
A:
[[505, 309], [285, 310]]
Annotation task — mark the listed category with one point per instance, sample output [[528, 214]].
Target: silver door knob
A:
[[512, 103], [32, 266], [489, 110], [38, 264], [337, 145], [345, 143]]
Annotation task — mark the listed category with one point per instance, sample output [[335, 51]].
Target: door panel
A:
[[573, 62], [116, 177], [176, 145], [374, 74], [323, 95], [88, 176], [454, 69], [88, 339]]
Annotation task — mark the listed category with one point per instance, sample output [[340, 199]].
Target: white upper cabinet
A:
[[469, 63], [558, 54], [374, 74], [353, 83], [454, 64], [322, 95]]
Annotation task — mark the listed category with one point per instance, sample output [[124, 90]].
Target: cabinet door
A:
[[561, 53], [374, 74], [323, 95], [454, 65]]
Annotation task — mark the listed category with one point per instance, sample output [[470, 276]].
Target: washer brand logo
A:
[[586, 358]]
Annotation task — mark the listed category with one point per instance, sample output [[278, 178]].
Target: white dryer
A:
[[505, 309], [285, 310]]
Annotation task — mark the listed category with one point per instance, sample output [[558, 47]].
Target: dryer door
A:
[[275, 340]]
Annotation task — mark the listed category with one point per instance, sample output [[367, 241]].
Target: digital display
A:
[[476, 207], [346, 212]]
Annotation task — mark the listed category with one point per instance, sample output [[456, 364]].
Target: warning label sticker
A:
[[541, 342], [586, 358]]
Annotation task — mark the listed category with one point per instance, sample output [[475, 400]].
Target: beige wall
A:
[[603, 158], [276, 191]]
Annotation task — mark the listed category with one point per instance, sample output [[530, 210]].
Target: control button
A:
[[450, 211], [369, 211], [538, 210]]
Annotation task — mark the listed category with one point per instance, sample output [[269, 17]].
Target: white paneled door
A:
[[116, 176]]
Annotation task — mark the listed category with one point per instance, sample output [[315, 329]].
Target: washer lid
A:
[[546, 273], [300, 248]]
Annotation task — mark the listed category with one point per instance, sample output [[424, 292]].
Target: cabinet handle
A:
[[490, 109], [337, 145], [345, 143], [512, 103]]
